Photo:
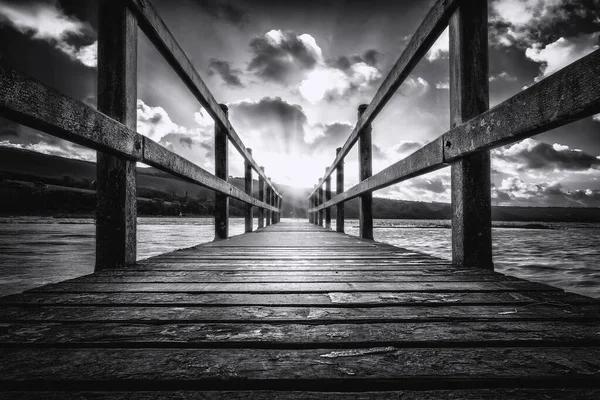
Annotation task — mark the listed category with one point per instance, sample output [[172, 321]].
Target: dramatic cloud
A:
[[22, 137], [406, 147], [514, 191], [43, 21], [332, 84], [195, 143], [277, 123], [440, 48], [223, 11], [561, 53], [231, 76], [284, 57], [331, 136], [442, 85], [531, 154], [291, 59]]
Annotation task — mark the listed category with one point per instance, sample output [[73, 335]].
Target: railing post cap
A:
[[338, 150], [362, 108], [224, 108], [262, 168], [249, 150]]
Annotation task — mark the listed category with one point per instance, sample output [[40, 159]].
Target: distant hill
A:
[[38, 184]]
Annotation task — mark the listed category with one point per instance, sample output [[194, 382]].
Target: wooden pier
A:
[[297, 311]]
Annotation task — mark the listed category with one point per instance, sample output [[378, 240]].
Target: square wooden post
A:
[[339, 189], [268, 201], [469, 97], [327, 198], [248, 212], [365, 171], [221, 171], [310, 205], [261, 197], [320, 201], [116, 195]]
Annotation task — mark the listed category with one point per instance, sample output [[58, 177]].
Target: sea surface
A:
[[35, 251]]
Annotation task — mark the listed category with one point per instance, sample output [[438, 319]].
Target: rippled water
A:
[[35, 251]]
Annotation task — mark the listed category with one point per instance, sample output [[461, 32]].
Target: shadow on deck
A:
[[297, 311]]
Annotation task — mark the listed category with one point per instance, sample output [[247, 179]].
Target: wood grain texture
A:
[[221, 206], [339, 189], [116, 193], [469, 97], [296, 306]]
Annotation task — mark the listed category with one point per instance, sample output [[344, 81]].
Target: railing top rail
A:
[[568, 95], [28, 102], [159, 34], [425, 36]]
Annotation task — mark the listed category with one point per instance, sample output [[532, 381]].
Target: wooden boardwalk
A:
[[297, 311]]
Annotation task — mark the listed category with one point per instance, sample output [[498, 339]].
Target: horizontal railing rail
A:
[[568, 95], [28, 102], [156, 30], [111, 131]]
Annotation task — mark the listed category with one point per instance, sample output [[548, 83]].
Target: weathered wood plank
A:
[[292, 369], [517, 286], [321, 314], [330, 299], [465, 394], [252, 335], [424, 37], [159, 34], [249, 210]]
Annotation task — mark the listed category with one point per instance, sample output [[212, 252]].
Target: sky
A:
[[294, 72]]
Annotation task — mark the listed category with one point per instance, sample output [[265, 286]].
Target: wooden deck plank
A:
[[293, 307]]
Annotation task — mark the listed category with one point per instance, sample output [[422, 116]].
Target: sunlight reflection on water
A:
[[35, 251]]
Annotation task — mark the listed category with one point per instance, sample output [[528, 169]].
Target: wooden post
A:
[[221, 171], [310, 205], [116, 197], [365, 171], [268, 201], [320, 201], [313, 199], [248, 189], [327, 198], [469, 96], [261, 197], [339, 189]]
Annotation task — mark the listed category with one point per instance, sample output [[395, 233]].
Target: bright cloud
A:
[[560, 53], [440, 48], [43, 21]]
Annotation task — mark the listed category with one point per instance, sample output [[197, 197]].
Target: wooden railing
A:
[[567, 95], [111, 130]]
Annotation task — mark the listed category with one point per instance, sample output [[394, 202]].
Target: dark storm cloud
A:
[[514, 191], [283, 57], [223, 10], [231, 76], [281, 123], [332, 136], [20, 136], [532, 154], [370, 57], [408, 146]]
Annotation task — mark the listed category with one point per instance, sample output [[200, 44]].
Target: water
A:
[[37, 250]]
